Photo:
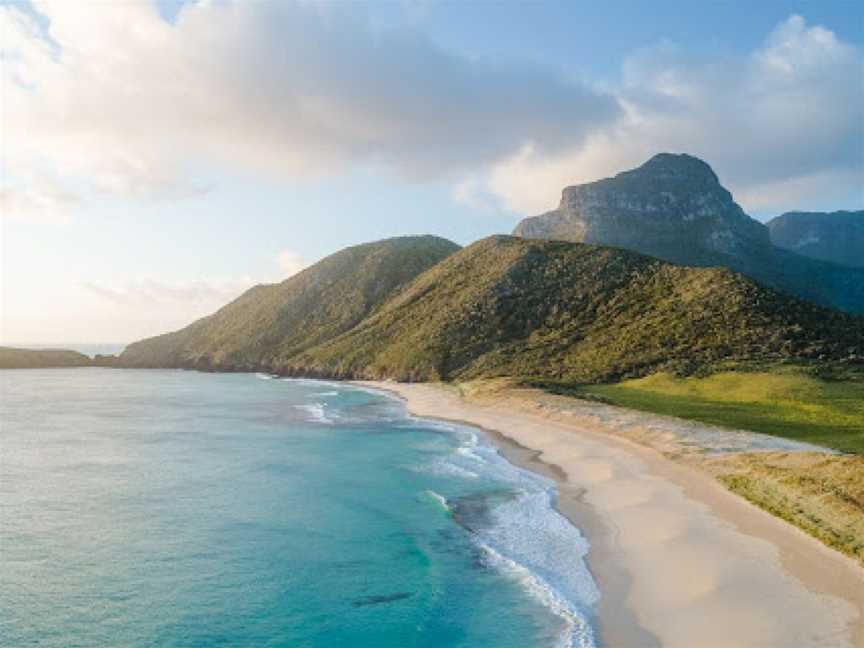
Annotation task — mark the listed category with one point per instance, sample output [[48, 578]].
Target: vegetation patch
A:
[[578, 314], [787, 404], [821, 494], [11, 358]]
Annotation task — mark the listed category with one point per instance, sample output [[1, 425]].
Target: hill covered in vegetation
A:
[[577, 313], [13, 358], [569, 313], [281, 320]]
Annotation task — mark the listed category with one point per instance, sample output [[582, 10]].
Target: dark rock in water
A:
[[673, 207], [837, 237], [383, 598], [473, 512]]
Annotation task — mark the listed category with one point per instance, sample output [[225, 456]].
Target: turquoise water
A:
[[168, 508]]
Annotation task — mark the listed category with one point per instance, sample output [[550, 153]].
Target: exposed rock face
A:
[[830, 236], [672, 207]]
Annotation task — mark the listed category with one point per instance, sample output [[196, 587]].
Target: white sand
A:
[[680, 561]]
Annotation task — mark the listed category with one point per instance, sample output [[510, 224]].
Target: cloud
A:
[[117, 310], [37, 199], [290, 263], [788, 115], [122, 101], [200, 297], [807, 192], [130, 103]]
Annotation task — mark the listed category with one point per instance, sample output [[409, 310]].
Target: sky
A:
[[158, 158]]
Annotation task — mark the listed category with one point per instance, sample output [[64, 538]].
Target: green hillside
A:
[[11, 358], [577, 313], [546, 311], [281, 320]]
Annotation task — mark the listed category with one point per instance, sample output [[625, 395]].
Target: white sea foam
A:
[[447, 468], [577, 632], [264, 376], [524, 536], [439, 499], [317, 412], [527, 537], [326, 393]]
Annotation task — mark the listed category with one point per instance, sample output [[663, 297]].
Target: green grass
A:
[[821, 494], [790, 405], [577, 314]]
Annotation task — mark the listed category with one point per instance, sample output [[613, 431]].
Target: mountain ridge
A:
[[673, 207], [557, 311], [272, 320], [836, 236]]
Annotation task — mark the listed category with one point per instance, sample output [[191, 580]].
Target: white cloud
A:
[[129, 102], [196, 296], [37, 199], [290, 263], [124, 310]]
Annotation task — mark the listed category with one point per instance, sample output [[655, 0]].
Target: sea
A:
[[176, 508]]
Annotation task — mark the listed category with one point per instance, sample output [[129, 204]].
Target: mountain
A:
[[576, 313], [829, 236], [673, 207], [271, 322], [12, 358], [417, 309]]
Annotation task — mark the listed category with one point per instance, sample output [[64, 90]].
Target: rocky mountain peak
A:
[[672, 166], [672, 207]]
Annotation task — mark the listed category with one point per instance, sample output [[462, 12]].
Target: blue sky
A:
[[158, 159]]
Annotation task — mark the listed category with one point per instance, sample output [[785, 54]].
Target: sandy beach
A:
[[681, 562]]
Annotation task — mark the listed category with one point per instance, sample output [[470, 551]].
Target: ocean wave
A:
[[470, 453], [523, 534], [317, 412], [518, 530], [439, 499], [449, 469], [577, 631]]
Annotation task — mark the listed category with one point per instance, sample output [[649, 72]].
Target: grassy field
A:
[[791, 405]]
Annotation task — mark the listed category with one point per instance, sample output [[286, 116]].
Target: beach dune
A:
[[680, 561]]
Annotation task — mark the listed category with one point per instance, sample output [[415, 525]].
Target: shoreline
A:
[[679, 560]]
